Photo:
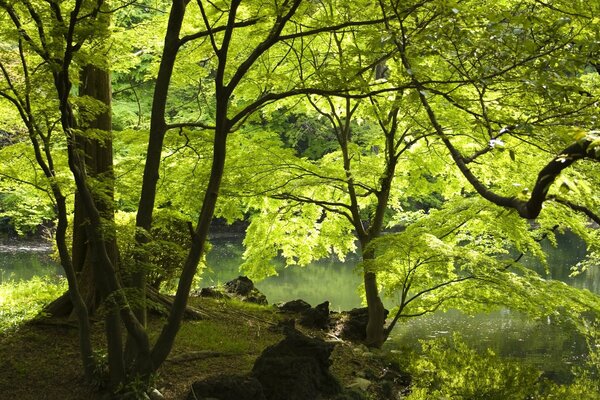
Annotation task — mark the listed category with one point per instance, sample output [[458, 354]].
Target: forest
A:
[[441, 144]]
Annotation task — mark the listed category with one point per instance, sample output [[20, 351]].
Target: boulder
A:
[[297, 368], [352, 325], [256, 297], [227, 387], [241, 286], [294, 306], [284, 326], [317, 317]]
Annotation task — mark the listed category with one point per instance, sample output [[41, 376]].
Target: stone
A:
[[227, 387], [317, 317], [284, 326], [297, 368], [352, 325], [294, 306], [241, 286], [256, 297]]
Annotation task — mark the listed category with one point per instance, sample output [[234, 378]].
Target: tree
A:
[[473, 101], [387, 77], [568, 81], [57, 35], [445, 67]]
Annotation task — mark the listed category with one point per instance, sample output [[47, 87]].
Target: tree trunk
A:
[[95, 83], [376, 334]]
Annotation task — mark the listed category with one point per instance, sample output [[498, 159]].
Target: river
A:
[[550, 348]]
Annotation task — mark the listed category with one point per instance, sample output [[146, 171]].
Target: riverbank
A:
[[40, 359], [35, 245]]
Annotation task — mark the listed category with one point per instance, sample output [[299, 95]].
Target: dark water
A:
[[320, 281], [545, 345], [338, 282]]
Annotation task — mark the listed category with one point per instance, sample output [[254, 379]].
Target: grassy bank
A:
[[39, 358]]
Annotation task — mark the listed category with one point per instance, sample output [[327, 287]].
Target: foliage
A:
[[586, 383], [450, 369], [165, 252], [323, 123], [25, 196], [21, 301], [449, 258], [587, 377]]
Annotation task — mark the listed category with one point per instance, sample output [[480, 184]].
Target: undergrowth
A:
[[23, 300]]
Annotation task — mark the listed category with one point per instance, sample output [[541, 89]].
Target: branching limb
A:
[[576, 207]]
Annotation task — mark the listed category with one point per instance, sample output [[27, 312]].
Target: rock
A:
[[212, 292], [294, 306], [244, 289], [256, 297], [154, 394], [241, 286], [297, 368], [317, 317], [352, 325], [284, 326], [227, 387]]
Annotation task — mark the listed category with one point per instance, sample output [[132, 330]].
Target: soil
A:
[[40, 360]]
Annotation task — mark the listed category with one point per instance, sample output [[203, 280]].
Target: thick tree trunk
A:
[[376, 334], [99, 162], [95, 83]]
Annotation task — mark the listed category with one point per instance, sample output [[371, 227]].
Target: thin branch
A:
[[190, 125], [576, 207]]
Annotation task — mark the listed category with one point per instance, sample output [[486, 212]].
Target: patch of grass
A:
[[247, 336], [21, 301]]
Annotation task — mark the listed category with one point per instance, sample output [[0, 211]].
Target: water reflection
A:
[[16, 265], [545, 345], [324, 280]]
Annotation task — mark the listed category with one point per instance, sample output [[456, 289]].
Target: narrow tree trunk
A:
[[158, 129], [166, 339]]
